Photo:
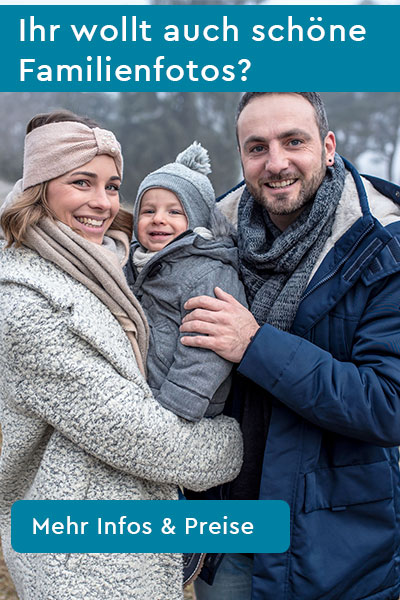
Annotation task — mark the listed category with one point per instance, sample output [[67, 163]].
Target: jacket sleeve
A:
[[63, 380], [199, 377], [359, 398]]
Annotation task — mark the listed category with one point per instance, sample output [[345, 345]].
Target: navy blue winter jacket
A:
[[331, 450]]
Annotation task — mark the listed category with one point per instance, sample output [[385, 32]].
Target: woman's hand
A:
[[225, 326]]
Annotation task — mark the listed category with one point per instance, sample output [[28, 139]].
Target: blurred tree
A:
[[217, 122], [384, 130], [154, 128], [366, 122], [348, 115]]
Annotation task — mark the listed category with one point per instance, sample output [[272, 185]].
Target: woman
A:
[[78, 419]]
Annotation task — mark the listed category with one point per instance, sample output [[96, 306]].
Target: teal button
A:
[[69, 526]]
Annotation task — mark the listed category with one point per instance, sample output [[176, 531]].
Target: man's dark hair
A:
[[313, 98]]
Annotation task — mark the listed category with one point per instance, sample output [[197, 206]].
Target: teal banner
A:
[[150, 526], [197, 48]]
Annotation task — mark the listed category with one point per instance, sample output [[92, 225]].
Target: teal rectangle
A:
[[225, 61], [70, 526]]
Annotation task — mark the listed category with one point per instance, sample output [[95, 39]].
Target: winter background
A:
[[154, 127]]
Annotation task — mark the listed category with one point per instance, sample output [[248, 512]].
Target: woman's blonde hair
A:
[[25, 211], [32, 206]]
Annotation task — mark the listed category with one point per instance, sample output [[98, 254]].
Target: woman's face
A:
[[87, 198]]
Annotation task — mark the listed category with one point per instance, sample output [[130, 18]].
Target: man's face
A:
[[284, 160]]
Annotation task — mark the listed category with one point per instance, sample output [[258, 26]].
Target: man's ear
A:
[[330, 148]]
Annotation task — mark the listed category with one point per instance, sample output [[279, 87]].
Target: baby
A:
[[183, 247]]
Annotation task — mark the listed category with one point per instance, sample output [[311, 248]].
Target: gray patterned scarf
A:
[[276, 265]]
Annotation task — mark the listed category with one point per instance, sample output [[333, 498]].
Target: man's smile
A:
[[280, 184]]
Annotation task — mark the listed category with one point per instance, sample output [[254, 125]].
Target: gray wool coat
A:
[[79, 422], [191, 382]]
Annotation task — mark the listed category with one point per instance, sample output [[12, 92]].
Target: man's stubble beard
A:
[[304, 197]]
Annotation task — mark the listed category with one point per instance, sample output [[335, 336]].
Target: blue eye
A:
[[295, 142], [257, 149]]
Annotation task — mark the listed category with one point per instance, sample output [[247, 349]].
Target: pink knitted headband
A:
[[57, 148]]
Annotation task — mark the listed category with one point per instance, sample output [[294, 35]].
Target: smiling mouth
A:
[[95, 223], [280, 184], [159, 234]]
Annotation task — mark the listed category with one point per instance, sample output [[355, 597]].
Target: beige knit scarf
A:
[[91, 265]]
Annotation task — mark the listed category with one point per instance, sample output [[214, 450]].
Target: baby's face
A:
[[161, 219]]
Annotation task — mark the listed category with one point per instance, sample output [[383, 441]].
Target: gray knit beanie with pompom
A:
[[187, 179]]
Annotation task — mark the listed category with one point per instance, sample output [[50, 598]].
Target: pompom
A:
[[195, 157]]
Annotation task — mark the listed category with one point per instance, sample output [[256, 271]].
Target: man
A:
[[318, 384]]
